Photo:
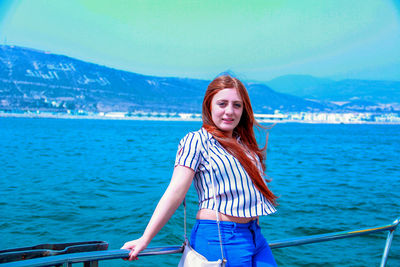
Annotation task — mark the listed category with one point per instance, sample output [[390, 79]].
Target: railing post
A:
[[388, 244], [387, 248]]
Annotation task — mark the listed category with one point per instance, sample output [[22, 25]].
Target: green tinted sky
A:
[[255, 39]]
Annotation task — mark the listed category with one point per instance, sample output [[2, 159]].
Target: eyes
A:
[[223, 104]]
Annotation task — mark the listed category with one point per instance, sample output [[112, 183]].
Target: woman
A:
[[227, 144]]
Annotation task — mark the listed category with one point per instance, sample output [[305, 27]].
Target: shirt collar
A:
[[210, 136]]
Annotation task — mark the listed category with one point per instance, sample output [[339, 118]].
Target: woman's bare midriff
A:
[[206, 214]]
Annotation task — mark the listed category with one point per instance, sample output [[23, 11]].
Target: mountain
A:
[[371, 93], [34, 79], [38, 80], [298, 85], [266, 100]]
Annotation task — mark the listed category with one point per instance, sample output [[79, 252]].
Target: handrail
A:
[[43, 250], [90, 257], [339, 235], [331, 236], [95, 256]]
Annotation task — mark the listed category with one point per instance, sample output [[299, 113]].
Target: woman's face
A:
[[226, 110]]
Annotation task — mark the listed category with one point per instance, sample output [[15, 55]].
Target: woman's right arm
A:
[[170, 201]]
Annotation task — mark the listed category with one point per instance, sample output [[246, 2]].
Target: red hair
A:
[[244, 130]]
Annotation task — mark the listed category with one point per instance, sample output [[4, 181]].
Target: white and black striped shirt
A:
[[236, 194]]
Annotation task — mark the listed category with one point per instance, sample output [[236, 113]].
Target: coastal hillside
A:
[[32, 80], [351, 92], [38, 80]]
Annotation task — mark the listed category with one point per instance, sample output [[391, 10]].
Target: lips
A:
[[228, 120]]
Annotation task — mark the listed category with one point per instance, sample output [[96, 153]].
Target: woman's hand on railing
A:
[[135, 246]]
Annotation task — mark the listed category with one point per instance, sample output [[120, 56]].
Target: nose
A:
[[229, 109]]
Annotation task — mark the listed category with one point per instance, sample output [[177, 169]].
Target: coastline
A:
[[184, 118], [91, 117]]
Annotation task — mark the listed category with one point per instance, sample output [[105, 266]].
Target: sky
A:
[[254, 39]]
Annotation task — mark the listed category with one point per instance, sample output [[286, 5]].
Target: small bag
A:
[[190, 257]]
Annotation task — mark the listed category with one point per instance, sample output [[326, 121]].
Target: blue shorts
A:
[[243, 243]]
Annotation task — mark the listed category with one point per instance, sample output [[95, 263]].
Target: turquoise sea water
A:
[[76, 180]]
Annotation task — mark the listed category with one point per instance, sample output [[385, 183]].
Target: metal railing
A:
[[91, 259]]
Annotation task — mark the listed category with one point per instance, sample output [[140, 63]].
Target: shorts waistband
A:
[[227, 223]]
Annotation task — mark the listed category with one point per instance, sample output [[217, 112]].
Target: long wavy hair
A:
[[244, 130]]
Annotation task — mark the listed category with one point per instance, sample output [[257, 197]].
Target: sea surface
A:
[[66, 180]]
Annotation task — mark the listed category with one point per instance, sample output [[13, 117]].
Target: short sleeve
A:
[[189, 151]]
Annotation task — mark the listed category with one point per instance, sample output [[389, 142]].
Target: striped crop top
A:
[[236, 194]]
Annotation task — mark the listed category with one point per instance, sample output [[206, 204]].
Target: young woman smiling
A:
[[226, 145]]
